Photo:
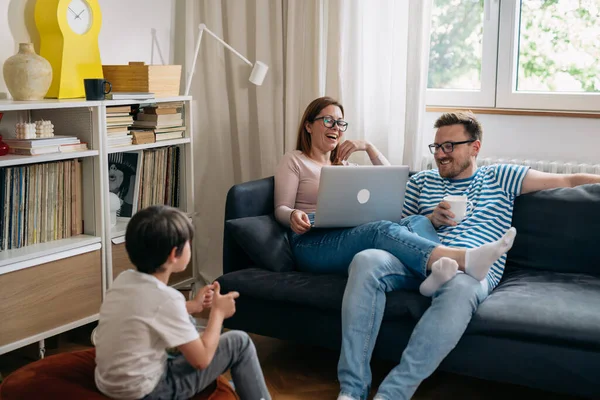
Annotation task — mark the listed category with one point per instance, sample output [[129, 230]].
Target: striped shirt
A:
[[491, 191]]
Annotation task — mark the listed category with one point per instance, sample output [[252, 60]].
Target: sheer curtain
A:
[[377, 62], [371, 55]]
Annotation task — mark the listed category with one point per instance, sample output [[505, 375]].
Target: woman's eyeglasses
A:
[[330, 122]]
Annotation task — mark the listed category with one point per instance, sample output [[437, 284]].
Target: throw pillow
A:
[[264, 240]]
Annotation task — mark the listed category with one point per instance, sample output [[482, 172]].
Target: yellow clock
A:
[[69, 32]]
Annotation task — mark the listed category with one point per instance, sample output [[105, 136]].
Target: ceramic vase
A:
[[27, 75]]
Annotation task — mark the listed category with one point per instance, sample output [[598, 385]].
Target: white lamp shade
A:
[[259, 71]]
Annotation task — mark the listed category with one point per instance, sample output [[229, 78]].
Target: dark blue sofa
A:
[[539, 328]]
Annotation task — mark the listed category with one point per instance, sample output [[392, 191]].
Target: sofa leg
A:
[[42, 345]]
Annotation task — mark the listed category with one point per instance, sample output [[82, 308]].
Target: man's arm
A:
[[536, 180]]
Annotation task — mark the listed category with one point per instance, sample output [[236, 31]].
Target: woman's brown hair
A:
[[303, 142]]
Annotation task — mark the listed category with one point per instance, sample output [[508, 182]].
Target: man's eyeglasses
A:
[[330, 122], [447, 147]]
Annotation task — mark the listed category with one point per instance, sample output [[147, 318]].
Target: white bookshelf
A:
[[40, 253], [60, 258], [136, 147], [11, 160]]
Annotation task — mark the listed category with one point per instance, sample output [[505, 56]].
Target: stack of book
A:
[[165, 120], [39, 146], [118, 121]]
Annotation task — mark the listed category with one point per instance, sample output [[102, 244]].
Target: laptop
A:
[[353, 195]]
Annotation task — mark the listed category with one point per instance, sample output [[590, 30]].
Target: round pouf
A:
[[71, 376]]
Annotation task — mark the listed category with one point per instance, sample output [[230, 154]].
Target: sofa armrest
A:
[[248, 199]]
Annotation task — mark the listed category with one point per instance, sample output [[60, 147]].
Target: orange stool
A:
[[71, 376]]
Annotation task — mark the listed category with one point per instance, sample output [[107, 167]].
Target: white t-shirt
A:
[[139, 319]]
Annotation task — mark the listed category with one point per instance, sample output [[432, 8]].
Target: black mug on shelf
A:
[[96, 89]]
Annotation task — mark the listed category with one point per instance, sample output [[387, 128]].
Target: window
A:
[[527, 54]]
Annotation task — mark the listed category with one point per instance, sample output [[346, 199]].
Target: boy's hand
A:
[[203, 300], [224, 303]]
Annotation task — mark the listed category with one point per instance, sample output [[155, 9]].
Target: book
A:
[[168, 104], [35, 151], [160, 111], [154, 124], [66, 148], [118, 110], [41, 142], [169, 135], [129, 96], [142, 136], [159, 118]]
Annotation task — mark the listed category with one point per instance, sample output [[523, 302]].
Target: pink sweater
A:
[[297, 184]]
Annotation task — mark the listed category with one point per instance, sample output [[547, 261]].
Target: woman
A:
[[413, 241]]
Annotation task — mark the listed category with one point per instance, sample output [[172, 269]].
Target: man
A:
[[372, 273]]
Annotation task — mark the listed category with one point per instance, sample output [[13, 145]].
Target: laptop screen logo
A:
[[363, 196]]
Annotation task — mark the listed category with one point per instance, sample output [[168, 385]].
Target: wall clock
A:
[[69, 31]]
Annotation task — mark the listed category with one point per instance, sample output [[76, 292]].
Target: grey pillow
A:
[[264, 240]]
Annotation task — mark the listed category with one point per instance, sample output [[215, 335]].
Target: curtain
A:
[[370, 55], [237, 126]]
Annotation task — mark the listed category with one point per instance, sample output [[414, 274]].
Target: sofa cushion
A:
[[557, 230], [264, 240], [549, 307], [321, 291]]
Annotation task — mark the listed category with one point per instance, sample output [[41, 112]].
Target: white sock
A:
[[442, 271], [344, 397], [478, 261]]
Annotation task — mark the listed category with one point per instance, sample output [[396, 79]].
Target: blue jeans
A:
[[331, 250], [372, 273]]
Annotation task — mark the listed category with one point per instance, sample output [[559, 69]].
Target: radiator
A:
[[557, 167]]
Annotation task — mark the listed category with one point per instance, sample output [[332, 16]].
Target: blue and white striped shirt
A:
[[491, 190]]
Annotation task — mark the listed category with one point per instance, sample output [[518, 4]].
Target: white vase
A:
[[27, 75]]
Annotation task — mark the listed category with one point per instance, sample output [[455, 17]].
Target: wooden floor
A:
[[298, 372]]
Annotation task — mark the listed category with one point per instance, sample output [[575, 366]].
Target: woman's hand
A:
[[299, 222], [347, 147]]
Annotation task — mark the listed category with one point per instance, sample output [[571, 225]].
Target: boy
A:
[[142, 316]]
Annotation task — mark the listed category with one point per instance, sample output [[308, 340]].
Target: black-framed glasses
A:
[[330, 122], [447, 147]]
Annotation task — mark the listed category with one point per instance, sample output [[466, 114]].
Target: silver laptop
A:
[[353, 195]]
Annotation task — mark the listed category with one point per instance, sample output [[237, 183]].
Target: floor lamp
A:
[[259, 69]]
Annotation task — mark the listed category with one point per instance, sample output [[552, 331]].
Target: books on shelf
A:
[[39, 146], [40, 203], [165, 119], [29, 143], [159, 183]]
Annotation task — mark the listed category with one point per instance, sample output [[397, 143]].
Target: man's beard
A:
[[456, 169]]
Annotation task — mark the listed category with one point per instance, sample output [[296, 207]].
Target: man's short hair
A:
[[152, 233], [465, 118]]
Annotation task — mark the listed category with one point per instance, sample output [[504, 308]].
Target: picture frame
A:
[[124, 175]]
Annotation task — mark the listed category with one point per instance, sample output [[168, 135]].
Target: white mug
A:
[[459, 205]]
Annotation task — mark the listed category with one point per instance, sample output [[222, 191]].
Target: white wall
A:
[[533, 138], [132, 30]]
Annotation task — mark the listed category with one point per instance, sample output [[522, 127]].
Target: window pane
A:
[[456, 44], [559, 46]]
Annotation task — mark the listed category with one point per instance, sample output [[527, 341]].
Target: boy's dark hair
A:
[[152, 233]]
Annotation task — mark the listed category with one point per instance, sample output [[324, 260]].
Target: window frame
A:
[[499, 81], [486, 95]]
